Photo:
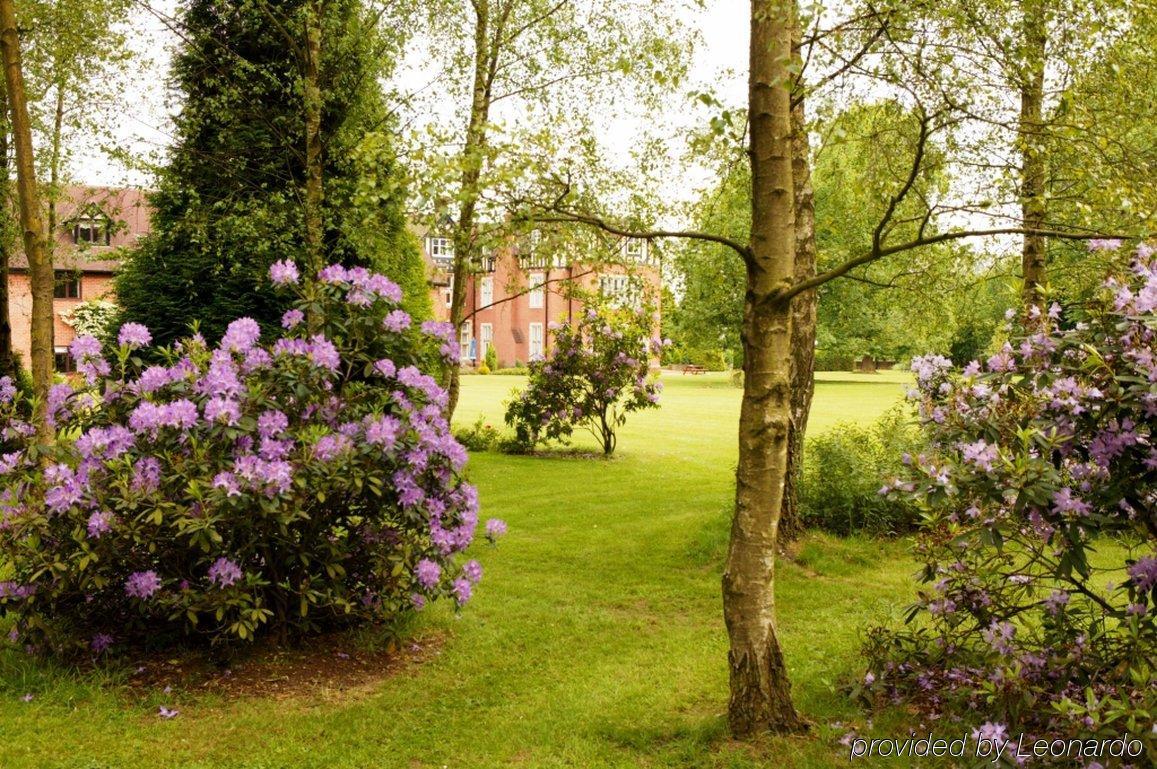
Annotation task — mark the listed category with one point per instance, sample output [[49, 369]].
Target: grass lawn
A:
[[594, 640]]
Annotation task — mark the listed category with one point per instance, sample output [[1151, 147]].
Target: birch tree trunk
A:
[[39, 260], [760, 691], [485, 60], [1031, 141], [803, 306]]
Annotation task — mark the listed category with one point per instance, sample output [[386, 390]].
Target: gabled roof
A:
[[127, 207]]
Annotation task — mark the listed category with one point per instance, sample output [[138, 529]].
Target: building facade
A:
[[517, 293], [93, 225], [512, 299]]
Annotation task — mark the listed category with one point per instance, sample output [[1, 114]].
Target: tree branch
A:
[[943, 237], [559, 217]]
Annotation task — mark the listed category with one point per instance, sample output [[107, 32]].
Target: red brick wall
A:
[[92, 286]]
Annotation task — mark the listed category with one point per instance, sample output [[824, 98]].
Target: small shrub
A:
[[844, 469], [241, 490], [491, 358], [483, 369], [480, 436], [596, 374]]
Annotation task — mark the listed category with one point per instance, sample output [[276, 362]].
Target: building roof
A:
[[127, 207]]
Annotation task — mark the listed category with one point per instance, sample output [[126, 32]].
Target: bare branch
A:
[[557, 216], [943, 237]]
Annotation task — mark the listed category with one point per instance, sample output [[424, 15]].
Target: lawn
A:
[[594, 640]]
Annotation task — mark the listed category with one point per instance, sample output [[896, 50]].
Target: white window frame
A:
[[485, 339], [449, 291], [486, 291], [535, 330], [440, 249], [536, 281], [635, 249], [465, 337]]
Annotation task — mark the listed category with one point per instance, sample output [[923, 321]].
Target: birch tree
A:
[[551, 63], [760, 691]]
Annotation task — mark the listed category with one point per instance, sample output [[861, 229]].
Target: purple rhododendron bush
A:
[[598, 372], [241, 489], [1040, 535]]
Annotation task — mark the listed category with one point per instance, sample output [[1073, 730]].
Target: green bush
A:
[[844, 470], [512, 371], [491, 358], [832, 361], [479, 436]]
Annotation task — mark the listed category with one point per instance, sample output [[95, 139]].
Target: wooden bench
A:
[[693, 370]]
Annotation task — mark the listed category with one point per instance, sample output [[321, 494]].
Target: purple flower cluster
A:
[[397, 321], [134, 335], [283, 453], [428, 573], [241, 335], [99, 523], [283, 273], [365, 287], [224, 572], [150, 417], [86, 351], [142, 584]]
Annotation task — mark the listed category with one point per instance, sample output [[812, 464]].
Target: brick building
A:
[[93, 224], [518, 292]]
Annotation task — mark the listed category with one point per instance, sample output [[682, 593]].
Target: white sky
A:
[[139, 120]]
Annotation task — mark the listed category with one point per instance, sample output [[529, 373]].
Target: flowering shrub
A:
[[596, 374], [227, 492], [1040, 528], [96, 317]]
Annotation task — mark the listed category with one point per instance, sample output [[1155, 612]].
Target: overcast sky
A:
[[139, 121]]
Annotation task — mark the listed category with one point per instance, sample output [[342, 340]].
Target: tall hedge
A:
[[229, 201]]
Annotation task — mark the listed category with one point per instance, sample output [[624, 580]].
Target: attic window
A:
[[441, 249], [91, 229]]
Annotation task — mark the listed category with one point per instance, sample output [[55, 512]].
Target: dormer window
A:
[[92, 227], [440, 249], [636, 249]]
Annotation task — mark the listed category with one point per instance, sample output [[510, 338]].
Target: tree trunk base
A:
[[761, 694]]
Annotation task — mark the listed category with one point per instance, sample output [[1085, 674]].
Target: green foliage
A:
[[1103, 154], [239, 490], [228, 203], [95, 317], [710, 360], [897, 307], [480, 436], [491, 358], [844, 469]]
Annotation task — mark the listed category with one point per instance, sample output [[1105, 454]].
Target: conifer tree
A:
[[232, 198]]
